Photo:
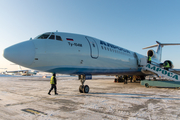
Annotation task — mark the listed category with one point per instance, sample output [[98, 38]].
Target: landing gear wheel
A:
[[86, 89], [178, 88], [81, 87], [147, 85]]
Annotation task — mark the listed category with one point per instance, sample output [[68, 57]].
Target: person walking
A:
[[53, 84]]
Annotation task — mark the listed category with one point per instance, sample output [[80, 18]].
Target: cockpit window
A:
[[52, 37], [49, 35], [44, 36], [58, 38]]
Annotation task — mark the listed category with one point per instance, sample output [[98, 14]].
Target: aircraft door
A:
[[136, 57], [93, 47]]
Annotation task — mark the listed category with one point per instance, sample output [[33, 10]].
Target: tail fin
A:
[[159, 48]]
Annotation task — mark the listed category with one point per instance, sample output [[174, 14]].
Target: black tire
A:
[[147, 85], [178, 88], [81, 88], [142, 78], [86, 89]]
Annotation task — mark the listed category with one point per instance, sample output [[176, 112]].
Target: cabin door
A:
[[137, 59], [94, 52]]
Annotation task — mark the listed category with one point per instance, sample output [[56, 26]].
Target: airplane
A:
[[4, 71], [24, 72], [75, 54]]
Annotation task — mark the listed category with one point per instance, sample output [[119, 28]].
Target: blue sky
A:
[[131, 24]]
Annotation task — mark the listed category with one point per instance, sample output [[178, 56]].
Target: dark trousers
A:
[[53, 86], [166, 68], [125, 80]]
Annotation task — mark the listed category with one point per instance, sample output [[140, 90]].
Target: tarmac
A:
[[23, 98]]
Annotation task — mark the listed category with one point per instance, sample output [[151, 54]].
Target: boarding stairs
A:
[[159, 71]]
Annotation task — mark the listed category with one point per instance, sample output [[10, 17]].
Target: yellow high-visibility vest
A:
[[149, 58], [166, 65], [52, 80]]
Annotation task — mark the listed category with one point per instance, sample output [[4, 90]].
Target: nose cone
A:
[[21, 53]]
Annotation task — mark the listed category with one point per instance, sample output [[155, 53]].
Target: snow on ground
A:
[[27, 98]]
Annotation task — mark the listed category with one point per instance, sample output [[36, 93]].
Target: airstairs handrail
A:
[[175, 71]]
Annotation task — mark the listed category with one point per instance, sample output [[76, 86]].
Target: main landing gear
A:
[[83, 88]]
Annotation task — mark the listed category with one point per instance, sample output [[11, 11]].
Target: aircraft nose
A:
[[22, 53]]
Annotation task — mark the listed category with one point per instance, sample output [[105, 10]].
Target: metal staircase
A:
[[147, 67]]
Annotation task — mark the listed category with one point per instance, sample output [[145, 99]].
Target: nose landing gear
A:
[[83, 88]]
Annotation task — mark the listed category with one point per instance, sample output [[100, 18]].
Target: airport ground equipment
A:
[[159, 71], [132, 78], [172, 78], [160, 83], [119, 78]]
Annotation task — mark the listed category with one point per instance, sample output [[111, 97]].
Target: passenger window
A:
[[58, 38], [52, 37]]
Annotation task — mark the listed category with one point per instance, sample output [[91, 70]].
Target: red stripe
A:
[[69, 39]]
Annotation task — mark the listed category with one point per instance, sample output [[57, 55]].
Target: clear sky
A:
[[131, 24]]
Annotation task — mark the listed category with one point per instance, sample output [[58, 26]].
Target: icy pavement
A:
[[26, 98]]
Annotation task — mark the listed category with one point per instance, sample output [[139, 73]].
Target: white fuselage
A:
[[75, 54]]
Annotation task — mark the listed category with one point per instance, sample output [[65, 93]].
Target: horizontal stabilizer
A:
[[159, 48], [151, 46], [162, 44]]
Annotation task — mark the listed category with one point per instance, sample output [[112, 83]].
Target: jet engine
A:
[[152, 53]]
